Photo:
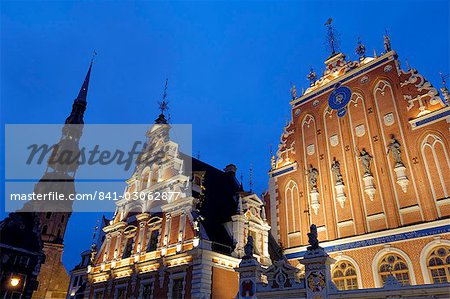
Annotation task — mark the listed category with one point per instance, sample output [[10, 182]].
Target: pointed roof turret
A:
[[84, 88], [80, 103]]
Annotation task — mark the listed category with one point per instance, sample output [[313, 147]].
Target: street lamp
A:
[[14, 281]]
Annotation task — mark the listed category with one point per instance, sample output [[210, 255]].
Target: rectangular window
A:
[[177, 288], [255, 242], [153, 242], [128, 248], [147, 291], [98, 295], [121, 293]]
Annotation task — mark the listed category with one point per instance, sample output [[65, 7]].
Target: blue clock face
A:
[[339, 98]]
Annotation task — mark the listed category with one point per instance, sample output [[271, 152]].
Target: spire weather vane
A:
[[93, 55], [443, 77], [164, 104], [332, 41]]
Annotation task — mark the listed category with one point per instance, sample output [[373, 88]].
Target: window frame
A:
[[175, 276], [344, 278]]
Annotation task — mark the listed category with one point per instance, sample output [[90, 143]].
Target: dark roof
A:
[[221, 189], [20, 230]]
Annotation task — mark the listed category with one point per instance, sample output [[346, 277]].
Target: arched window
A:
[[154, 176], [438, 263], [437, 164], [344, 276], [44, 229], [394, 264], [292, 208], [144, 181], [132, 189]]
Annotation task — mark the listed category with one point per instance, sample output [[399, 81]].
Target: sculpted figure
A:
[[294, 92], [312, 176], [312, 238], [248, 248], [394, 148], [336, 170], [366, 161]]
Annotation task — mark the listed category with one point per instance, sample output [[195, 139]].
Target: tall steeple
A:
[[80, 103], [72, 131], [51, 217]]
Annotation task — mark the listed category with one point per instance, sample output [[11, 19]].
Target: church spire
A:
[[80, 103]]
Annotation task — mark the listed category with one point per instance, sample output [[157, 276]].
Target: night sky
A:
[[229, 66]]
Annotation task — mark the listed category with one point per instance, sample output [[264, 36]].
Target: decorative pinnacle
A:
[[407, 65], [443, 78], [94, 234], [163, 106], [312, 76], [332, 41], [93, 56], [387, 41], [360, 50], [272, 159], [444, 89]]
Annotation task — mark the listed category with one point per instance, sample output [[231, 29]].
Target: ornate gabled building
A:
[[184, 236], [366, 158]]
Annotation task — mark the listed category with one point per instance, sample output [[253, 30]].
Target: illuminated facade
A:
[[184, 247], [366, 158]]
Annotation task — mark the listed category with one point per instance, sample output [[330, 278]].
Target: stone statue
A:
[[394, 148], [312, 176], [336, 170], [312, 238], [366, 161], [248, 248], [387, 43], [294, 92]]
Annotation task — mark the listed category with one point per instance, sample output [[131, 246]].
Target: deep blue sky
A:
[[229, 66]]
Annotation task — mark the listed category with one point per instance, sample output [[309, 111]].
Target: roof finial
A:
[[387, 41], [444, 89], [332, 41], [94, 53], [242, 182], [163, 106], [272, 159], [360, 49], [443, 78], [312, 76], [408, 67], [94, 234]]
